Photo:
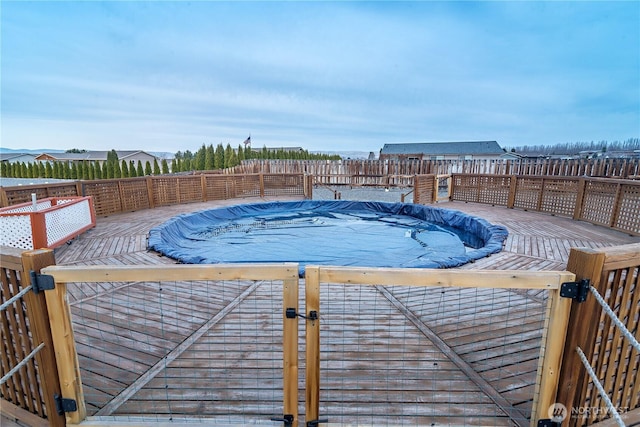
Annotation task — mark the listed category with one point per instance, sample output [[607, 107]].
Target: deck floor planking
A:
[[123, 329]]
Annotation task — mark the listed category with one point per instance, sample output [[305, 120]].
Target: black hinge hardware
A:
[[548, 423], [41, 282], [64, 405], [287, 419], [577, 291], [291, 313], [315, 423]]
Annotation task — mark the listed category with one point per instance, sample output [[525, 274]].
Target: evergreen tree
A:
[[117, 172], [73, 172], [210, 158], [219, 157], [240, 154], [175, 166], [132, 169], [147, 168], [98, 170], [156, 167], [139, 169], [125, 169], [3, 169], [227, 156], [165, 167], [48, 170]]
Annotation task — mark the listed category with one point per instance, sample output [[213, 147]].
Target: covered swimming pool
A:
[[339, 233]]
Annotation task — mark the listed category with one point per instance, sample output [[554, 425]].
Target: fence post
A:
[[39, 322], [551, 351], [312, 337], [65, 349], [152, 203], [203, 184], [582, 328], [261, 185], [577, 211], [290, 350], [513, 185]]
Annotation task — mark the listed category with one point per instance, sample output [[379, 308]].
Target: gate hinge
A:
[[41, 282], [578, 291], [287, 419], [315, 423], [291, 313], [546, 422], [64, 405]]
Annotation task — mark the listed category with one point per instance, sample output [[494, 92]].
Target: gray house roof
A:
[[444, 148], [95, 155]]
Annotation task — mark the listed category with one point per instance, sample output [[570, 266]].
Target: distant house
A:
[[468, 150], [97, 156], [285, 149], [17, 157]]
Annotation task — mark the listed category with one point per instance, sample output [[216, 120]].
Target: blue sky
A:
[[169, 76]]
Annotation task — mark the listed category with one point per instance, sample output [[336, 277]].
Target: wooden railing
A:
[[614, 273], [28, 362], [612, 168], [607, 202], [132, 194]]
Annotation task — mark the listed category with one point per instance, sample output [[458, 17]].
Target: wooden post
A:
[[290, 350], [203, 184], [261, 185], [65, 350], [38, 230], [582, 328], [39, 324], [577, 211], [551, 351], [513, 186], [152, 202], [616, 206], [79, 187], [312, 336]]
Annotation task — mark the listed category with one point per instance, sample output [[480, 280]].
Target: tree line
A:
[[572, 148], [206, 158]]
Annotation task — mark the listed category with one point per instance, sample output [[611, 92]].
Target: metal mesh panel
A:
[[428, 356], [177, 350]]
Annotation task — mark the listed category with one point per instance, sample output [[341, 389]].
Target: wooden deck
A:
[[175, 351]]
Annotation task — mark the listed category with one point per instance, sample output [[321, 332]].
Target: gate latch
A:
[[64, 405], [291, 313]]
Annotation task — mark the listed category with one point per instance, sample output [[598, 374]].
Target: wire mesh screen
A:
[[180, 349], [400, 355]]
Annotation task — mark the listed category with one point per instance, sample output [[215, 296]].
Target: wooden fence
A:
[[614, 273], [607, 202], [132, 194], [27, 363], [370, 169]]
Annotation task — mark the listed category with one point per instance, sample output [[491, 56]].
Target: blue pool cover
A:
[[338, 233]]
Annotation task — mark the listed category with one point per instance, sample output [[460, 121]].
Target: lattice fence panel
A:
[[106, 196], [17, 196], [135, 195], [15, 231], [403, 355], [494, 190], [615, 361], [247, 185], [465, 188], [219, 187], [190, 189], [528, 193], [276, 185], [559, 196], [165, 191], [66, 221], [424, 188], [181, 350], [598, 204], [628, 218]]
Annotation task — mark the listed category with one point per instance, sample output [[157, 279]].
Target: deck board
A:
[[123, 329]]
